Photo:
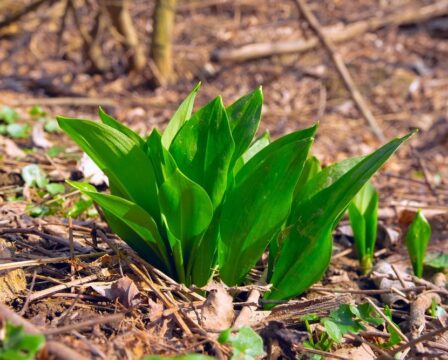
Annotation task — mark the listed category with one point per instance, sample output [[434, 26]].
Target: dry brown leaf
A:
[[363, 352], [10, 148], [217, 312], [38, 136], [123, 289]]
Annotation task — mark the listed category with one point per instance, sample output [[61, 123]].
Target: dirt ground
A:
[[401, 71]]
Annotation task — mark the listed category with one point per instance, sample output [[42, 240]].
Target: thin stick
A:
[[57, 239], [398, 17], [27, 301], [85, 324], [364, 292], [44, 261], [70, 238], [390, 322], [26, 10], [342, 69], [427, 336], [320, 352], [400, 279], [57, 288]]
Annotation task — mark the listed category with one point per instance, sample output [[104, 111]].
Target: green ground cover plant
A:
[[204, 197]]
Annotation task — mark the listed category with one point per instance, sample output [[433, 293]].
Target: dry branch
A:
[[342, 69], [26, 10], [398, 17]]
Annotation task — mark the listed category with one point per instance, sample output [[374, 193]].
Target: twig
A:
[[43, 261], [425, 337], [57, 288], [30, 291], [320, 352], [26, 10], [400, 279], [398, 17], [85, 324], [389, 321], [57, 239], [365, 292], [342, 69]]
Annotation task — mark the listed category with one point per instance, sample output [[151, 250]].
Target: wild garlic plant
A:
[[204, 197]]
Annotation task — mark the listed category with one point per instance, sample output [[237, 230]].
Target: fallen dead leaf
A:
[[217, 312], [10, 148], [123, 289], [363, 352], [38, 136]]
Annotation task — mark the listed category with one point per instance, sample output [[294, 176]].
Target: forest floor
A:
[[99, 299]]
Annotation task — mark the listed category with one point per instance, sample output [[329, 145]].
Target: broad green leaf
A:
[[203, 149], [244, 118], [310, 169], [417, 239], [437, 260], [182, 114], [162, 161], [33, 175], [259, 203], [131, 214], [319, 182], [295, 269], [203, 256], [246, 343], [112, 122], [129, 170], [186, 208], [259, 144]]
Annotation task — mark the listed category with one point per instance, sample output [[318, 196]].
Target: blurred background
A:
[[139, 58]]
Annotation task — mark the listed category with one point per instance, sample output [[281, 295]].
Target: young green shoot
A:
[[363, 215], [417, 240]]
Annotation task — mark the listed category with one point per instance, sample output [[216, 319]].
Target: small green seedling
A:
[[204, 196], [16, 344], [246, 343], [417, 240], [363, 215]]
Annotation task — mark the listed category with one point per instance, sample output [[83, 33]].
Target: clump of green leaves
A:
[[204, 196], [363, 215], [417, 240], [35, 177], [347, 319], [16, 344]]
